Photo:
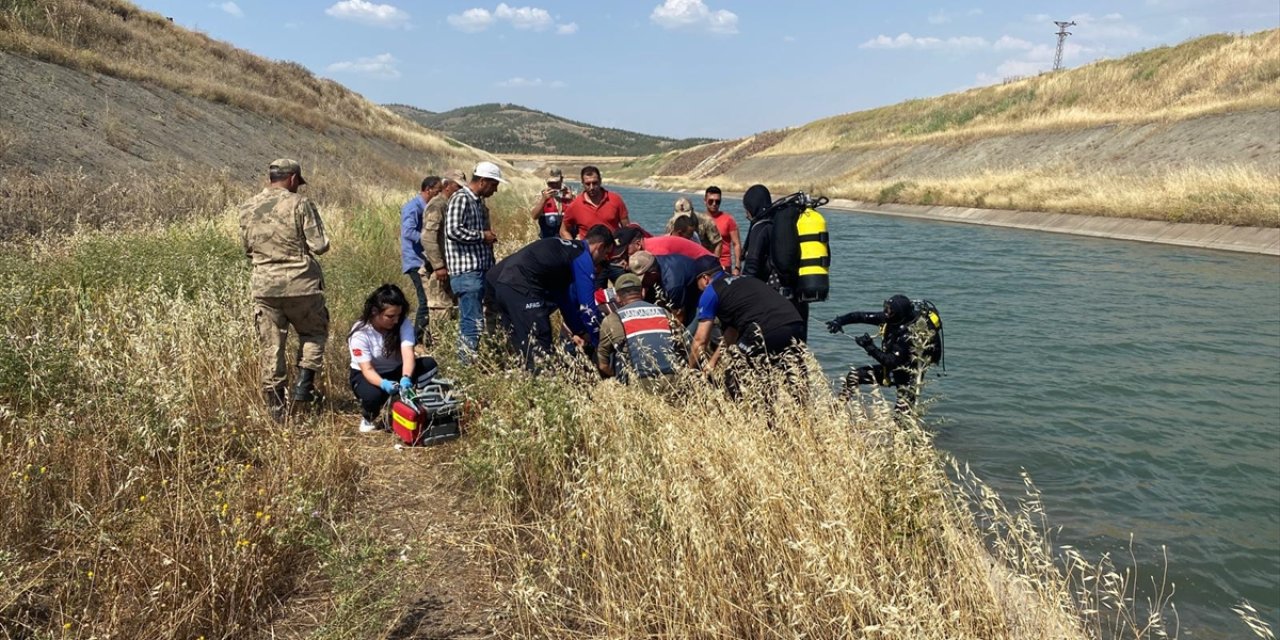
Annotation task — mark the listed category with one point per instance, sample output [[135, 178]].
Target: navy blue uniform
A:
[[528, 285]]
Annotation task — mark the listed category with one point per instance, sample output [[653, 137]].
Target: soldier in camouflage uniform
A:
[[282, 233], [440, 298]]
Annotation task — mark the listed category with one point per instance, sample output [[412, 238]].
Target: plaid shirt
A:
[[465, 221]]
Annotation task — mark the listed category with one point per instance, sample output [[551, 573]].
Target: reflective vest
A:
[[650, 343]]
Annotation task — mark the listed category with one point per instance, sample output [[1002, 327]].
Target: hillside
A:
[[1183, 133], [510, 128], [126, 97]]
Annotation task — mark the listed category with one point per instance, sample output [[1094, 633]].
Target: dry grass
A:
[[1215, 74], [1241, 195], [791, 515], [147, 494], [115, 38], [1207, 75]]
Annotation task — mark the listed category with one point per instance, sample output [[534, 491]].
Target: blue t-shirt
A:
[[709, 303], [579, 307]]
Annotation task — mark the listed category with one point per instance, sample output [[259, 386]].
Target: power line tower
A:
[[1062, 39]]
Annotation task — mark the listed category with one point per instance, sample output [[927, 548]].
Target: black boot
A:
[[306, 389], [274, 399]]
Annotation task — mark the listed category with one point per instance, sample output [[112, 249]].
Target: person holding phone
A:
[[548, 211]]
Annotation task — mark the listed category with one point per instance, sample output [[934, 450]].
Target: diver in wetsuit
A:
[[757, 251], [896, 357]]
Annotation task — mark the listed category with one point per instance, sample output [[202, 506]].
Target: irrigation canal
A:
[[1137, 384]]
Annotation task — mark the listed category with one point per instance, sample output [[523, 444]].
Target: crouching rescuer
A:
[[641, 343], [911, 341], [382, 357], [282, 233]]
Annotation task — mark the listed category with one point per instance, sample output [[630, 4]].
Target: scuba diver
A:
[[787, 247], [901, 355]]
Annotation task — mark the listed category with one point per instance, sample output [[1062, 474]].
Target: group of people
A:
[[643, 307]]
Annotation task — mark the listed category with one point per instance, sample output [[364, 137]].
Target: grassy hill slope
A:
[[1185, 133], [510, 128], [121, 96]]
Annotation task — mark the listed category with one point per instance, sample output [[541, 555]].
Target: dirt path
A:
[[429, 556]]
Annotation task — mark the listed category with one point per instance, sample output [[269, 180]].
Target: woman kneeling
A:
[[381, 344]]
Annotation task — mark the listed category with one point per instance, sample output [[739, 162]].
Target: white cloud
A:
[[908, 41], [677, 14], [788, 38], [524, 17], [1010, 42], [471, 20], [368, 13], [229, 7], [939, 17], [381, 66], [528, 83], [975, 12]]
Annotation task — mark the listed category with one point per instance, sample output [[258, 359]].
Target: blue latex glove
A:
[[405, 382], [389, 387]]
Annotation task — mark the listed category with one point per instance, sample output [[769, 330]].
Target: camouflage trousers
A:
[[308, 315], [440, 299]]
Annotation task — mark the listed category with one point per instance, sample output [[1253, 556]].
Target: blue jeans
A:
[[469, 287], [420, 315]]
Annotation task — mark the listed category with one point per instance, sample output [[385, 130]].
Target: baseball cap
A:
[[627, 281], [684, 205], [627, 235], [285, 165], [455, 175], [554, 174], [706, 264], [641, 262], [488, 170]]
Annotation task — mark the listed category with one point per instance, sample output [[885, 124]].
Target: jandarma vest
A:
[[650, 344]]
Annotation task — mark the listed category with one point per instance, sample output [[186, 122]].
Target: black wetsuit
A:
[[757, 260], [893, 357]]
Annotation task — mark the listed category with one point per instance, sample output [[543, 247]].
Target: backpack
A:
[[930, 321], [801, 250]]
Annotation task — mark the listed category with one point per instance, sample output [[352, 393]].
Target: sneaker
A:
[[368, 427]]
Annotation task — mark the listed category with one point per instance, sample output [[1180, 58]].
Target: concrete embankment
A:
[[1263, 240], [1260, 240]]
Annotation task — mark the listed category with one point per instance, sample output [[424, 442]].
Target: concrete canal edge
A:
[[1261, 240]]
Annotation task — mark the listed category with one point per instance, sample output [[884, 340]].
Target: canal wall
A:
[[1262, 240]]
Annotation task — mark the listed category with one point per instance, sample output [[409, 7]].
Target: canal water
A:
[[1137, 384]]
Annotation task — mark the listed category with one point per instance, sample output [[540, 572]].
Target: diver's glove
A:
[[835, 326], [864, 341], [389, 387]]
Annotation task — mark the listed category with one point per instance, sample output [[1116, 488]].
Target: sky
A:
[[695, 68]]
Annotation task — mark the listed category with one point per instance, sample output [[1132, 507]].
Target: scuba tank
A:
[[801, 250]]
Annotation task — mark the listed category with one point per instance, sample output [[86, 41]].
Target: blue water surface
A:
[[1138, 385]]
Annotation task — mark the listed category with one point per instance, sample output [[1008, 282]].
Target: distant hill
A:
[[510, 128], [1184, 133]]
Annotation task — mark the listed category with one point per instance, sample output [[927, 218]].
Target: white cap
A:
[[488, 170]]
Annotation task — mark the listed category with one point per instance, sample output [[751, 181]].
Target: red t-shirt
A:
[[609, 213], [726, 225], [667, 245]]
